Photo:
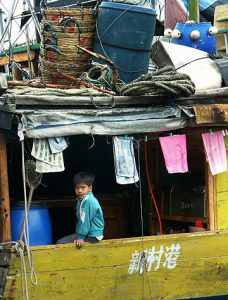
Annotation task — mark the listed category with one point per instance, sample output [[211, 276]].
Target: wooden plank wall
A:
[[222, 196]]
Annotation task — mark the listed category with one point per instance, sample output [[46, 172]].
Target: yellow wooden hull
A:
[[174, 267]]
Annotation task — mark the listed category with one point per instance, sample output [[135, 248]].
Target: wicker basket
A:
[[62, 29]]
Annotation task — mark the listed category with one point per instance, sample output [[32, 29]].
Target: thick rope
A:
[[99, 75], [19, 248], [33, 277], [163, 81], [143, 258]]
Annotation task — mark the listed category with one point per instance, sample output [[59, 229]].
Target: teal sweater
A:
[[90, 217]]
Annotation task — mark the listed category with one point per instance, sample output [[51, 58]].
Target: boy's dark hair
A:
[[83, 177]]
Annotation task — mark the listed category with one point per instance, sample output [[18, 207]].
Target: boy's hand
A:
[[79, 243]]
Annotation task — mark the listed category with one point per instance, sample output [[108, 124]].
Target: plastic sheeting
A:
[[101, 122], [203, 4], [193, 62]]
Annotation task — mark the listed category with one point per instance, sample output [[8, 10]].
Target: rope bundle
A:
[[99, 75], [163, 81]]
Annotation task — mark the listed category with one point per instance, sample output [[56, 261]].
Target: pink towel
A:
[[215, 151], [175, 153]]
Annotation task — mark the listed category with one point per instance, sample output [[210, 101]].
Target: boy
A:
[[90, 224]]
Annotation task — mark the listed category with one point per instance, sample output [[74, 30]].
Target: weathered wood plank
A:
[[222, 196], [192, 123], [32, 100], [5, 259], [5, 233], [18, 57], [210, 93], [47, 100], [211, 197], [109, 270], [3, 273]]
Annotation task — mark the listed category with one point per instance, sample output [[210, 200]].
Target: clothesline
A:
[[174, 149], [49, 153], [147, 139]]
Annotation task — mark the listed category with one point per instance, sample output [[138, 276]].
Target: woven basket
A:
[[62, 29]]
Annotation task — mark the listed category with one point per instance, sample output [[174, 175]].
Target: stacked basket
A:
[[62, 29]]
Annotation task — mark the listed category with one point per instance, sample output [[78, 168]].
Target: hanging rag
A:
[[215, 149], [175, 153], [57, 144], [124, 160], [46, 162]]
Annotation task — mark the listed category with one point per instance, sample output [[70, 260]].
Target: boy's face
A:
[[82, 189]]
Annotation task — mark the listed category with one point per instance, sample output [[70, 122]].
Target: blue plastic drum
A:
[[40, 229], [124, 35], [206, 42]]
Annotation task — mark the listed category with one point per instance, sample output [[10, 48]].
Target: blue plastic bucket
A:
[[40, 229], [124, 35], [205, 43]]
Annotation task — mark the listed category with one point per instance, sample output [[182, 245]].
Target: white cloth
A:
[[46, 162], [124, 160], [57, 144]]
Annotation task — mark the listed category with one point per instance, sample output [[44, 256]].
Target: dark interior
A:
[[180, 197]]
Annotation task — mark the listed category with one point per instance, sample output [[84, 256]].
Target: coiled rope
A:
[[163, 81], [19, 248], [99, 75]]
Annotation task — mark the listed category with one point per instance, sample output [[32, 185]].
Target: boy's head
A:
[[83, 183]]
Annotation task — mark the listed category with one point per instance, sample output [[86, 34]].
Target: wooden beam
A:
[[192, 123], [222, 195], [18, 57], [105, 101], [210, 93], [182, 218], [74, 100], [211, 198], [5, 234]]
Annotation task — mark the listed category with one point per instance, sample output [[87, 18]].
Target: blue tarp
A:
[[204, 4]]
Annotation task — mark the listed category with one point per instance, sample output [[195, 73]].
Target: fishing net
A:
[[33, 178]]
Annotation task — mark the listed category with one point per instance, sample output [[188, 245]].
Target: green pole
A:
[[193, 7]]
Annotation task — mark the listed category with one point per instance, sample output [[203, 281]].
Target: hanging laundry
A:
[[215, 149], [57, 144], [124, 160], [175, 153], [46, 162]]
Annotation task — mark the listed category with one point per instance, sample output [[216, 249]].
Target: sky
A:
[[16, 38]]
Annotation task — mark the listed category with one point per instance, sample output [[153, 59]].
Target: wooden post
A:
[[5, 231], [222, 196], [193, 6], [211, 198]]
